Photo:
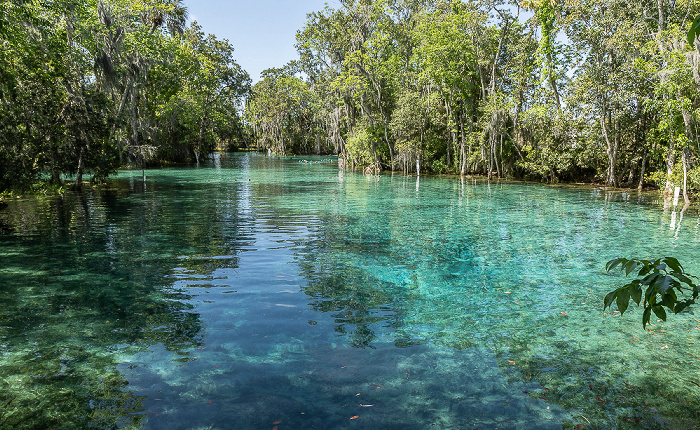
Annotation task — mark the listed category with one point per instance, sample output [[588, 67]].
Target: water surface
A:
[[258, 292]]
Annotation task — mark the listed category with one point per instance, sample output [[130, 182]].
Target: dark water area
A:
[[258, 293]]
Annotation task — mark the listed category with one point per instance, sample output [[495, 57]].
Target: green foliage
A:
[[359, 144], [89, 86], [460, 87], [658, 179], [658, 286], [469, 88], [280, 110], [197, 111], [694, 30]]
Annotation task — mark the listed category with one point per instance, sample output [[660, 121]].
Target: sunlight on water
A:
[[256, 292]]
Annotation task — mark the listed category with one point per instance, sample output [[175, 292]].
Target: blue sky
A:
[[261, 31]]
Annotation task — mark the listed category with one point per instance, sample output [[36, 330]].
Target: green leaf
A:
[[645, 317], [623, 299], [654, 281], [694, 30], [629, 267], [609, 299], [669, 299], [655, 286], [684, 279], [636, 292], [660, 312], [673, 264], [614, 263], [679, 307], [665, 285], [645, 270]]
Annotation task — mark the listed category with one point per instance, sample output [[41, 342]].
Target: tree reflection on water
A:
[[82, 285]]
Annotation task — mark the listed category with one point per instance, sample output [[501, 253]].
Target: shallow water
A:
[[259, 292]]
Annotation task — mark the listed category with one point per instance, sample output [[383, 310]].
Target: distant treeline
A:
[[88, 86], [572, 90]]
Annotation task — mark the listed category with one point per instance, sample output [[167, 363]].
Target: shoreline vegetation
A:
[[649, 193], [553, 91], [548, 91], [87, 87]]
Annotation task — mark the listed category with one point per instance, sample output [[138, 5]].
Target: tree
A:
[[197, 96], [470, 87], [279, 109], [86, 87], [447, 64]]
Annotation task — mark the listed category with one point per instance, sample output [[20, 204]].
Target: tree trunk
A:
[[616, 149], [79, 174], [670, 164], [492, 155], [662, 18], [685, 175], [451, 137], [388, 144], [501, 172], [689, 135], [553, 82], [643, 169], [612, 147], [504, 33], [463, 155]]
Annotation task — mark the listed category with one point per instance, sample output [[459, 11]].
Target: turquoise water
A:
[[256, 292]]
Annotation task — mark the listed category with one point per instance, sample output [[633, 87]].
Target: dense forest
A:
[[573, 90], [89, 86], [555, 90]]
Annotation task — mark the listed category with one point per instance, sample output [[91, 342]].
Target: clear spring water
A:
[[262, 293]]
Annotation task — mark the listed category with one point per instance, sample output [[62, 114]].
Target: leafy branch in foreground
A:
[[660, 281], [694, 31]]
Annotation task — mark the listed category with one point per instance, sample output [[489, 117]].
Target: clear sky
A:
[[262, 32]]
